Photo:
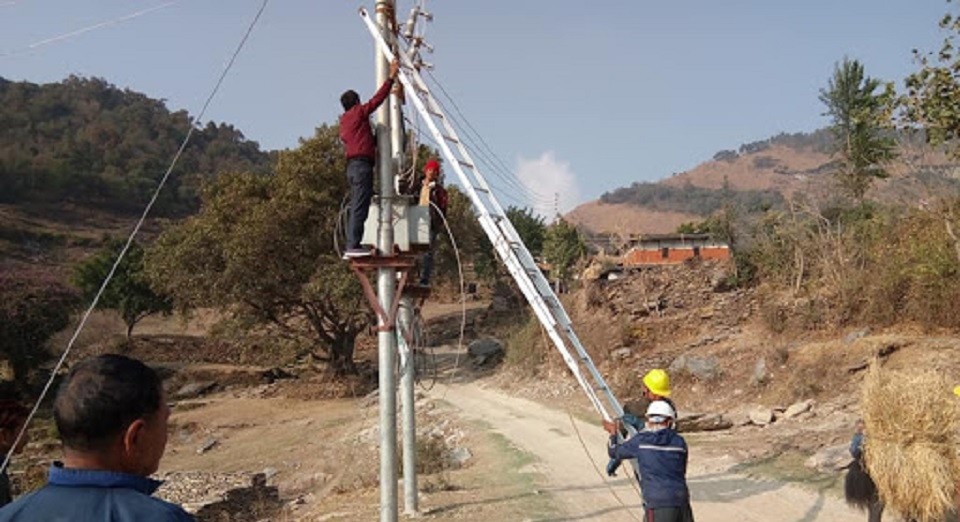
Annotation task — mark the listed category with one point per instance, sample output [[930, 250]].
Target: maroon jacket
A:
[[355, 130]]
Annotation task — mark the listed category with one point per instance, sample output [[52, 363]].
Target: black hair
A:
[[349, 99], [100, 397]]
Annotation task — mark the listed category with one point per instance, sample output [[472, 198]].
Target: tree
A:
[[129, 292], [262, 249], [562, 248], [933, 92], [475, 248], [34, 305], [859, 118], [530, 226]]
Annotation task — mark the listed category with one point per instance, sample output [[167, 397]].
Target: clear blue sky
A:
[[580, 97]]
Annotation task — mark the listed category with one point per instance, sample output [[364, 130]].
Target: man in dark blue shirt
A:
[[661, 455], [112, 417]]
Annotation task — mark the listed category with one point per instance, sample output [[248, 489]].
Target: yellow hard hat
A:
[[658, 382], [956, 390]]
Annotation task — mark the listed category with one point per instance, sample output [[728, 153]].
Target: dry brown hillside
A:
[[780, 165], [624, 219]]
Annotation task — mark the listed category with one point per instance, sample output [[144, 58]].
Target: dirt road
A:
[[585, 494]]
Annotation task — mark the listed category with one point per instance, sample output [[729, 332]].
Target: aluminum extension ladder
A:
[[502, 235]]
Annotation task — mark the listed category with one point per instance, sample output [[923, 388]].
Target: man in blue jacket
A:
[[112, 417], [661, 455]]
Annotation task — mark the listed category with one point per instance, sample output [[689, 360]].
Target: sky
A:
[[577, 98]]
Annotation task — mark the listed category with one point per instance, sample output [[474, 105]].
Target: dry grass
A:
[[913, 429]]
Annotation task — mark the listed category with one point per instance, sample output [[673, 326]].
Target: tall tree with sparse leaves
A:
[[933, 92], [860, 118]]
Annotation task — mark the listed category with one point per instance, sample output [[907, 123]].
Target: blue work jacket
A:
[[662, 459], [93, 496]]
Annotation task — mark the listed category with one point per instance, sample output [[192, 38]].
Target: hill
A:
[[88, 142], [758, 176]]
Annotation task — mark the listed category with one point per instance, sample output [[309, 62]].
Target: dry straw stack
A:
[[912, 424]]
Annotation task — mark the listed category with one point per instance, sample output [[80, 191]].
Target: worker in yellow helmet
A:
[[656, 387]]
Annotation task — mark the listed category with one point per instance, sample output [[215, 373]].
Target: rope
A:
[[601, 474], [126, 246]]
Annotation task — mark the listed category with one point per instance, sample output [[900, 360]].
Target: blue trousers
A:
[[360, 177]]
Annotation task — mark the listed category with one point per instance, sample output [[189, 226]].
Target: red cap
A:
[[432, 164]]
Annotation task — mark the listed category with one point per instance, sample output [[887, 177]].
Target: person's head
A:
[[348, 99], [12, 417], [656, 384], [660, 415], [112, 409], [431, 170]]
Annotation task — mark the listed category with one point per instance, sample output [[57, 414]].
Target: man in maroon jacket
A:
[[361, 148]]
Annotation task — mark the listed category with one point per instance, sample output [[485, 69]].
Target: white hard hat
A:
[[661, 409]]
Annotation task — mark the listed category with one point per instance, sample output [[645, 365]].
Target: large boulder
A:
[[703, 422], [485, 352], [702, 368]]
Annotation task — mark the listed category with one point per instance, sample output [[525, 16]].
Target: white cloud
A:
[[546, 176]]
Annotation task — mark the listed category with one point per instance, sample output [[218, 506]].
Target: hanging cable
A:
[[133, 234], [463, 294]]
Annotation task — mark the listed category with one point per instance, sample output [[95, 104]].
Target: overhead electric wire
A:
[[505, 194], [471, 129], [87, 29], [484, 158], [133, 234]]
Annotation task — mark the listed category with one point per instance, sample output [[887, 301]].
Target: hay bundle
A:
[[912, 424]]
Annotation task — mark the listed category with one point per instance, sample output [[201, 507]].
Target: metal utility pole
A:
[[405, 324], [386, 288], [408, 412]]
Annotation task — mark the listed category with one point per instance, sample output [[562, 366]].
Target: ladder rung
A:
[[451, 139], [468, 165], [438, 114], [481, 189]]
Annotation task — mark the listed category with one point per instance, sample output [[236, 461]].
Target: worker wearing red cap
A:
[[432, 194]]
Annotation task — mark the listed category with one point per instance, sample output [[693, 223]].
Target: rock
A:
[[621, 353], [759, 376], [269, 473], [194, 389], [207, 445], [798, 408], [830, 458], [459, 456], [486, 352], [275, 374], [761, 416], [703, 368], [858, 334], [703, 422]]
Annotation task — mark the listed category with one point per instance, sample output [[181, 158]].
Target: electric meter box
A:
[[411, 226]]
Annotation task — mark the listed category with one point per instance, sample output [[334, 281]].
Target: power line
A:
[[502, 165], [133, 234], [87, 29]]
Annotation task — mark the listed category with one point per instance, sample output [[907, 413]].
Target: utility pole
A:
[[405, 324], [386, 286]]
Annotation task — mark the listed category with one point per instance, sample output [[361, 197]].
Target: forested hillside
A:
[[88, 142]]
